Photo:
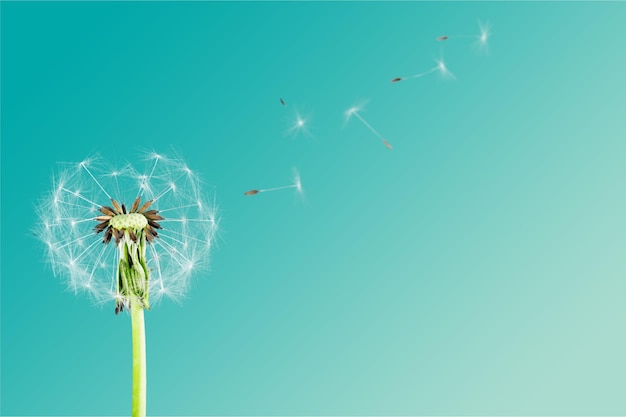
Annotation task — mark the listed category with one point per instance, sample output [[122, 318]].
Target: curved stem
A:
[[139, 359]]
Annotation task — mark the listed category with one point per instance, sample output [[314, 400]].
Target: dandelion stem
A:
[[139, 360]]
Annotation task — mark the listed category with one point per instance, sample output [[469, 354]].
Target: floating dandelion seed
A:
[[282, 101], [112, 251], [481, 39], [299, 124], [440, 68], [354, 111], [296, 183]]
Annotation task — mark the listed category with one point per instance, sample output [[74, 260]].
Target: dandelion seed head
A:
[[77, 254]]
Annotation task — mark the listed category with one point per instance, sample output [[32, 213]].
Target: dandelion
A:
[[296, 183], [483, 37], [128, 236], [440, 67], [354, 111], [299, 124], [481, 40]]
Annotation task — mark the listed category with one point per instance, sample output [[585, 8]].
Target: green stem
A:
[[139, 359]]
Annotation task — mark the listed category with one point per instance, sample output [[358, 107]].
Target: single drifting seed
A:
[[282, 101], [297, 185], [253, 192], [481, 39], [440, 67], [355, 112], [299, 125]]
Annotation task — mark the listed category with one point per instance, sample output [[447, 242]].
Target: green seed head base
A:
[[129, 221], [139, 221]]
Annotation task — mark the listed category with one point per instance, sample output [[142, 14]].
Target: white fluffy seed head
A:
[[78, 255]]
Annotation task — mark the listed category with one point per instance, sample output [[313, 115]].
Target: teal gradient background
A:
[[476, 269]]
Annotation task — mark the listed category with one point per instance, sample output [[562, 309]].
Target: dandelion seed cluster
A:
[[84, 221], [440, 67]]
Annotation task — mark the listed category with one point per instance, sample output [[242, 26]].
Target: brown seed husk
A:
[[154, 224], [145, 206], [107, 210], [101, 226], [117, 206], [153, 216], [108, 235], [135, 205]]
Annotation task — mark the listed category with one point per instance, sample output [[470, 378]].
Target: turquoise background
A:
[[476, 269]]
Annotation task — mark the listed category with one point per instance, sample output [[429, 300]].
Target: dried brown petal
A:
[[145, 206], [101, 226], [154, 216], [154, 224], [135, 204], [108, 235], [107, 210], [117, 206], [118, 234]]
